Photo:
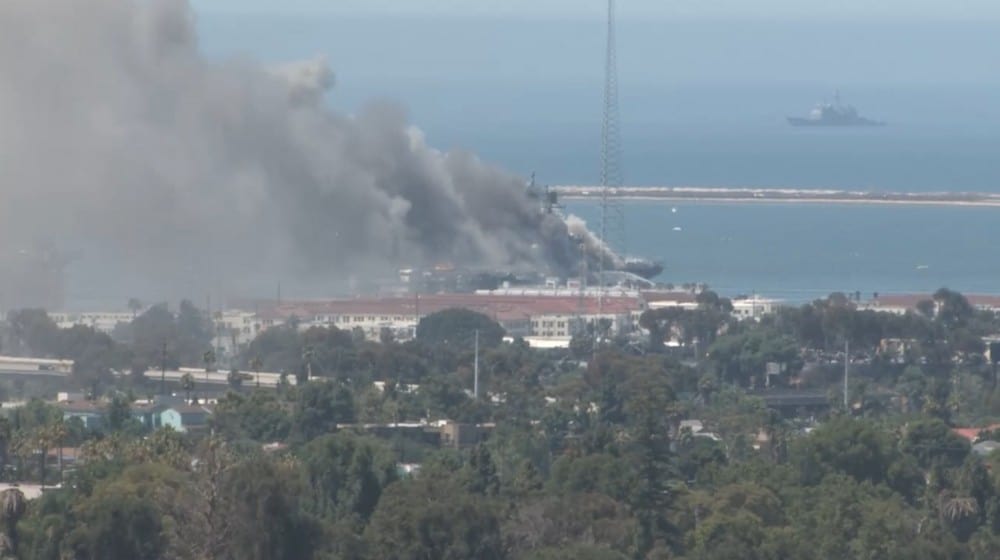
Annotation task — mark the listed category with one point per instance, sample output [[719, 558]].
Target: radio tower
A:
[[612, 212]]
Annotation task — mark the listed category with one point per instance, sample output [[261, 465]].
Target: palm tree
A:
[[256, 364], [45, 438], [235, 378], [134, 305], [187, 383], [955, 509], [6, 433], [307, 356], [55, 435], [12, 508], [209, 358]]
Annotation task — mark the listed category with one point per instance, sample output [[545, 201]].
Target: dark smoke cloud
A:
[[115, 132]]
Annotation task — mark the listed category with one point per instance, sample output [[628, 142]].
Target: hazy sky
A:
[[479, 71], [739, 9]]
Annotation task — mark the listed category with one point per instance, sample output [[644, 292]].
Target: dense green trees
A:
[[697, 327], [584, 456], [160, 336], [456, 328], [119, 519], [428, 517], [742, 358], [844, 445], [346, 475], [263, 518], [319, 407], [259, 416]]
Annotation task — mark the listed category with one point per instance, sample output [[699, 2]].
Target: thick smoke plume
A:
[[117, 133], [593, 246]]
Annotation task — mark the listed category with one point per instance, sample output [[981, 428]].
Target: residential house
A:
[[147, 413], [90, 413], [754, 307], [971, 434], [986, 448], [458, 436], [185, 417]]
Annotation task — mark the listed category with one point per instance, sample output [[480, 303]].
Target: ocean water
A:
[[702, 104], [801, 252]]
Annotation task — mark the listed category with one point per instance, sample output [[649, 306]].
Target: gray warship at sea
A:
[[833, 114]]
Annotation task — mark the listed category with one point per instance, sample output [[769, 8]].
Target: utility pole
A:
[[211, 323], [475, 371], [163, 370], [307, 356], [416, 312], [847, 367]]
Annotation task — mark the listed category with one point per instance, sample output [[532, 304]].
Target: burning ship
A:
[[644, 268]]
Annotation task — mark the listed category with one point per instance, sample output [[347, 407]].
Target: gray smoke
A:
[[593, 245], [116, 133]]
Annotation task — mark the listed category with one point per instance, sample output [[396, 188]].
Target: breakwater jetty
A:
[[783, 195]]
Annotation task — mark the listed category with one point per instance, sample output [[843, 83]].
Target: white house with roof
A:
[[754, 307]]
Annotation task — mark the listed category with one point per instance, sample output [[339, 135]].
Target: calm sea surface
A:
[[528, 97], [803, 251]]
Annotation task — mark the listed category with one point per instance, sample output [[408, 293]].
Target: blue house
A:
[[147, 414], [91, 414], [184, 417]]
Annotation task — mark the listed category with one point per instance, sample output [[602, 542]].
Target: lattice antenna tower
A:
[[612, 212]]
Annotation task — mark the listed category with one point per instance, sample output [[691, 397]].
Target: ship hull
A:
[[645, 269]]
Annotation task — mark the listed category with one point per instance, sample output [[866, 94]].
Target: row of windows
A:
[[366, 318], [125, 317]]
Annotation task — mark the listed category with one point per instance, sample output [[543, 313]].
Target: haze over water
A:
[[703, 103]]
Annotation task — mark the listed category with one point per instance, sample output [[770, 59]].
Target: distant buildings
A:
[[102, 321], [91, 414], [754, 307], [899, 304], [744, 307], [546, 315], [441, 433], [17, 364], [164, 412], [233, 331], [181, 417], [550, 314]]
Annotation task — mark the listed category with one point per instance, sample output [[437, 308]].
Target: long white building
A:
[[102, 321]]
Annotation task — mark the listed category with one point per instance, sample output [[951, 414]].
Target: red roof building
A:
[[517, 313]]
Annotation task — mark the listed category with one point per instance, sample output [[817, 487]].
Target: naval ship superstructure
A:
[[834, 114]]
